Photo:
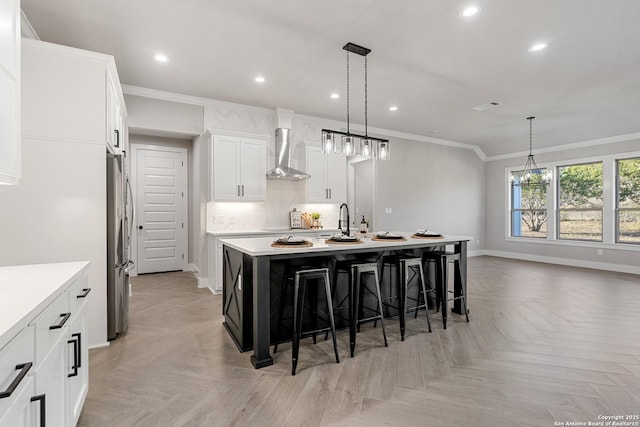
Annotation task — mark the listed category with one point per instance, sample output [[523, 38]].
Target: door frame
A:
[[185, 200]]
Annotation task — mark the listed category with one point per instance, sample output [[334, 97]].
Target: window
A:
[[580, 202], [528, 207], [628, 201]]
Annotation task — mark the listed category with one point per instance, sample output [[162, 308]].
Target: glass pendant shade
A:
[[349, 146], [365, 148], [328, 143], [383, 152]]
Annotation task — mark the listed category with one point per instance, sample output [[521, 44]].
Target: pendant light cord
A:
[[366, 133], [348, 92], [530, 133]]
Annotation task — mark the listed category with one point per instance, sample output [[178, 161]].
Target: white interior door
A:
[[161, 232]]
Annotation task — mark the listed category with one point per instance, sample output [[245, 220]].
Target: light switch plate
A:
[[218, 220], [388, 210]]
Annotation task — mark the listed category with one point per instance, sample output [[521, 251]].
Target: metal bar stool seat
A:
[[408, 269], [441, 259]]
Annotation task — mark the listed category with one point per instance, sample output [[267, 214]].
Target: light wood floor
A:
[[545, 343]]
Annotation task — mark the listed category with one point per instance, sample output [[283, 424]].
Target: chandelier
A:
[[531, 174], [352, 144]]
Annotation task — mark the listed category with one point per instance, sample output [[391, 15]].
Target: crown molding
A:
[[572, 146]]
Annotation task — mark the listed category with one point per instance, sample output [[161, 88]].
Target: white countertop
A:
[[26, 290], [262, 245], [271, 231]]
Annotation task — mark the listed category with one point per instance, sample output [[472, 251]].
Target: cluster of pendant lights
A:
[[531, 174], [351, 144]]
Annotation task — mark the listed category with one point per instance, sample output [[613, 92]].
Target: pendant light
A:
[[531, 174], [353, 144]]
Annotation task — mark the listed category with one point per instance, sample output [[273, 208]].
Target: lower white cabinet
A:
[[44, 368]]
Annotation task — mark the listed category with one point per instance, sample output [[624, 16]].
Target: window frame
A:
[[609, 205], [617, 208]]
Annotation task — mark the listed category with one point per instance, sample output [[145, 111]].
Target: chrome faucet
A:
[[340, 221]]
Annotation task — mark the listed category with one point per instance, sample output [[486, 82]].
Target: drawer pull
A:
[[63, 320], [79, 336], [43, 408], [75, 357], [84, 293], [23, 368]]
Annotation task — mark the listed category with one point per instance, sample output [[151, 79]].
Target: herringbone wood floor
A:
[[546, 343]]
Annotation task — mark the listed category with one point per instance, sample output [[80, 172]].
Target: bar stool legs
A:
[[442, 260], [357, 270], [406, 268], [300, 288]]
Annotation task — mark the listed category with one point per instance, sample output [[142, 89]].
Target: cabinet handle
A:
[[63, 320], [330, 194], [238, 190], [242, 190], [326, 193], [117, 137], [23, 368], [79, 336], [43, 408], [75, 358], [84, 293]]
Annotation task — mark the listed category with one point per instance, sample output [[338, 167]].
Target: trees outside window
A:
[[528, 207], [628, 201], [580, 202]]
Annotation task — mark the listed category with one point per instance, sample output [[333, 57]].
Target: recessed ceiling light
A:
[[161, 58], [260, 79], [335, 96], [393, 108], [538, 47], [470, 11]]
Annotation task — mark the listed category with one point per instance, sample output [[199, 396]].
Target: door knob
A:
[[140, 227]]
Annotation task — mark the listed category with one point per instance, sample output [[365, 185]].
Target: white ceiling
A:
[[426, 59]]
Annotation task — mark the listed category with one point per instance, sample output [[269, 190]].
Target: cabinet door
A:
[[77, 370], [50, 378], [114, 118], [20, 413], [253, 179], [226, 165], [10, 159], [316, 165], [337, 178]]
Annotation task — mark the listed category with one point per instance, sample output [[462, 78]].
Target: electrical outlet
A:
[[218, 220], [477, 242], [388, 210], [231, 220], [599, 251]]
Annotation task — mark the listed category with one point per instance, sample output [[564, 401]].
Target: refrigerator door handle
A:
[[133, 211]]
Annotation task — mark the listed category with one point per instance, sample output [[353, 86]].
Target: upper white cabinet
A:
[[328, 182], [10, 153], [238, 169], [116, 129]]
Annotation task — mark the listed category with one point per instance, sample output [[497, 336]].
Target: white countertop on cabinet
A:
[[26, 290], [262, 245]]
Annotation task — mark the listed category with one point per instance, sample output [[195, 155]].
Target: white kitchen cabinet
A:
[[10, 141], [238, 169], [116, 128], [328, 182], [51, 336]]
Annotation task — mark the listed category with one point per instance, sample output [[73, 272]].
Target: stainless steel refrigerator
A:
[[119, 223]]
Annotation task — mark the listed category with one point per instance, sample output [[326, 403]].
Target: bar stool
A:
[[300, 284], [441, 260], [357, 313], [407, 270]]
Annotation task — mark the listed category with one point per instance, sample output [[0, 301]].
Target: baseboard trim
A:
[[565, 261], [191, 267], [101, 345]]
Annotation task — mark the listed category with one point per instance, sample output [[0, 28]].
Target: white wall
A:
[[586, 255], [431, 186], [364, 178], [165, 118]]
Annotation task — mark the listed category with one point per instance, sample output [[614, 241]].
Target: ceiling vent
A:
[[486, 106]]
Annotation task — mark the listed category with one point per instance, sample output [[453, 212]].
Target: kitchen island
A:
[[248, 281]]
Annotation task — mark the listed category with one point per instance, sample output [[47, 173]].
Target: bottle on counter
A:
[[363, 226]]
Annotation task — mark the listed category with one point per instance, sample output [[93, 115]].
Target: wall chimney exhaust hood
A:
[[283, 159]]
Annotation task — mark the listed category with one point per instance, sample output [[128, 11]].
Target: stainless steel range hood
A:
[[283, 159]]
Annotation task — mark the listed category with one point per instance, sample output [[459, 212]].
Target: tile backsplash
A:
[[281, 198]]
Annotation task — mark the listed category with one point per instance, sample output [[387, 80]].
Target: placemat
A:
[[335, 242], [439, 236], [377, 239], [303, 245]]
